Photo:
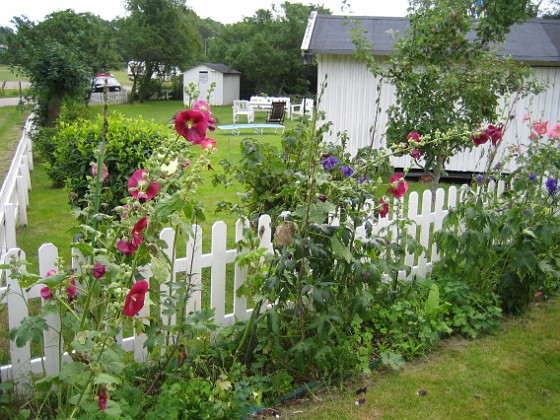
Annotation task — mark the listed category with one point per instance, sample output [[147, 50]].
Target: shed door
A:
[[203, 84]]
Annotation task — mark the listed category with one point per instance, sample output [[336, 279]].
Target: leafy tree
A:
[[447, 80], [60, 55], [158, 34], [266, 49]]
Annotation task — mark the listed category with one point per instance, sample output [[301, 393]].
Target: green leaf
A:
[[106, 379], [340, 250], [74, 373], [30, 329], [160, 269]]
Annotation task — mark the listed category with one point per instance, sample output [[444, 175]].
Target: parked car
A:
[[106, 79]]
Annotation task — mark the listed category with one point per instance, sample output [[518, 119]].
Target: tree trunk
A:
[[436, 175], [53, 109]]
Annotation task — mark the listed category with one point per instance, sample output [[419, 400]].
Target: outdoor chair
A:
[[276, 113], [305, 108], [243, 108]]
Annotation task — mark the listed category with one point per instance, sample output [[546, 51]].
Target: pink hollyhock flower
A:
[[104, 172], [416, 154], [554, 132], [46, 292], [98, 270], [208, 143], [134, 301], [186, 164], [384, 208], [322, 198], [480, 138], [201, 105], [540, 127], [538, 294], [191, 124], [102, 399], [413, 135], [526, 118], [141, 187], [51, 273], [398, 186]]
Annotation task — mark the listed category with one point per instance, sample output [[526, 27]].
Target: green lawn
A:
[[514, 374]]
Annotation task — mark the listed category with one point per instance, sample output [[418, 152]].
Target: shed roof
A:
[[536, 41], [220, 67]]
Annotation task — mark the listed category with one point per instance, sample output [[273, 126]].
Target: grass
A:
[[514, 374], [11, 124], [7, 75]]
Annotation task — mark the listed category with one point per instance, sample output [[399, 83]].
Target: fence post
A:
[[52, 341], [240, 276], [10, 225], [23, 200], [218, 272], [17, 312]]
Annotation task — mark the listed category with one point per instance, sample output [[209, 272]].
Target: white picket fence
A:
[[14, 195], [120, 97], [425, 222]]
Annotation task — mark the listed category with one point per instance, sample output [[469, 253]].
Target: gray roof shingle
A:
[[535, 41]]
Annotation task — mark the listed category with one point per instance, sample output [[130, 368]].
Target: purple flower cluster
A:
[[329, 163], [346, 171], [551, 185]]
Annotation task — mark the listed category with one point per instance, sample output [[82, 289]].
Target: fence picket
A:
[[218, 272]]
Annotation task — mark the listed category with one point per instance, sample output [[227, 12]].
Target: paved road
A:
[[9, 101]]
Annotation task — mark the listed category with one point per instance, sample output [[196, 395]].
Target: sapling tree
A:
[[449, 75]]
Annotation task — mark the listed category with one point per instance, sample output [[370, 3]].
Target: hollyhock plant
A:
[[104, 172], [134, 301], [126, 247], [72, 290], [137, 230], [413, 136], [208, 143], [495, 133], [140, 186], [102, 399], [322, 197], [398, 186]]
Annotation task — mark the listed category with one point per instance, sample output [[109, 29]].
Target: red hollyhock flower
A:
[[495, 133], [126, 247], [384, 208], [98, 270], [191, 124], [71, 290], [413, 135], [137, 230], [102, 399], [398, 186], [134, 301], [480, 138], [141, 187]]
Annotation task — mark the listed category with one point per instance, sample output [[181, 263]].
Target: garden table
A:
[[257, 128]]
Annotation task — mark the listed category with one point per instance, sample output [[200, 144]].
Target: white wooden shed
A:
[[227, 82], [351, 93]]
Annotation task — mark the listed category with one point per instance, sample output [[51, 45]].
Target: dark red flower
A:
[[191, 124], [102, 399], [480, 138], [98, 270], [137, 230], [134, 301], [126, 247], [398, 186], [495, 133], [413, 135], [208, 143], [383, 208], [71, 290], [322, 197], [140, 186]]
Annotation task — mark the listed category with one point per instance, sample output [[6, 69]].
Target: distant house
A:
[[227, 82], [349, 99]]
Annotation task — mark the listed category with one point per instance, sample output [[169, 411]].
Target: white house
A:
[[349, 100], [227, 82]]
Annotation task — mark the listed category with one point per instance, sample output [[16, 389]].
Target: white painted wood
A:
[[218, 272], [240, 275]]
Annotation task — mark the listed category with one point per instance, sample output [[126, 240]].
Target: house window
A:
[[202, 76]]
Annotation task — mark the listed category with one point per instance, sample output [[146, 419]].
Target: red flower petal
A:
[[134, 301]]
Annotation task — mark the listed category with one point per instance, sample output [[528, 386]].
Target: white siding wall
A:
[[349, 103], [231, 88]]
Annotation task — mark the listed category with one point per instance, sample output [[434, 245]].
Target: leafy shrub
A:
[[72, 148]]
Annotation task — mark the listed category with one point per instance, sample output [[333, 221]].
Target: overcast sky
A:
[[225, 11]]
